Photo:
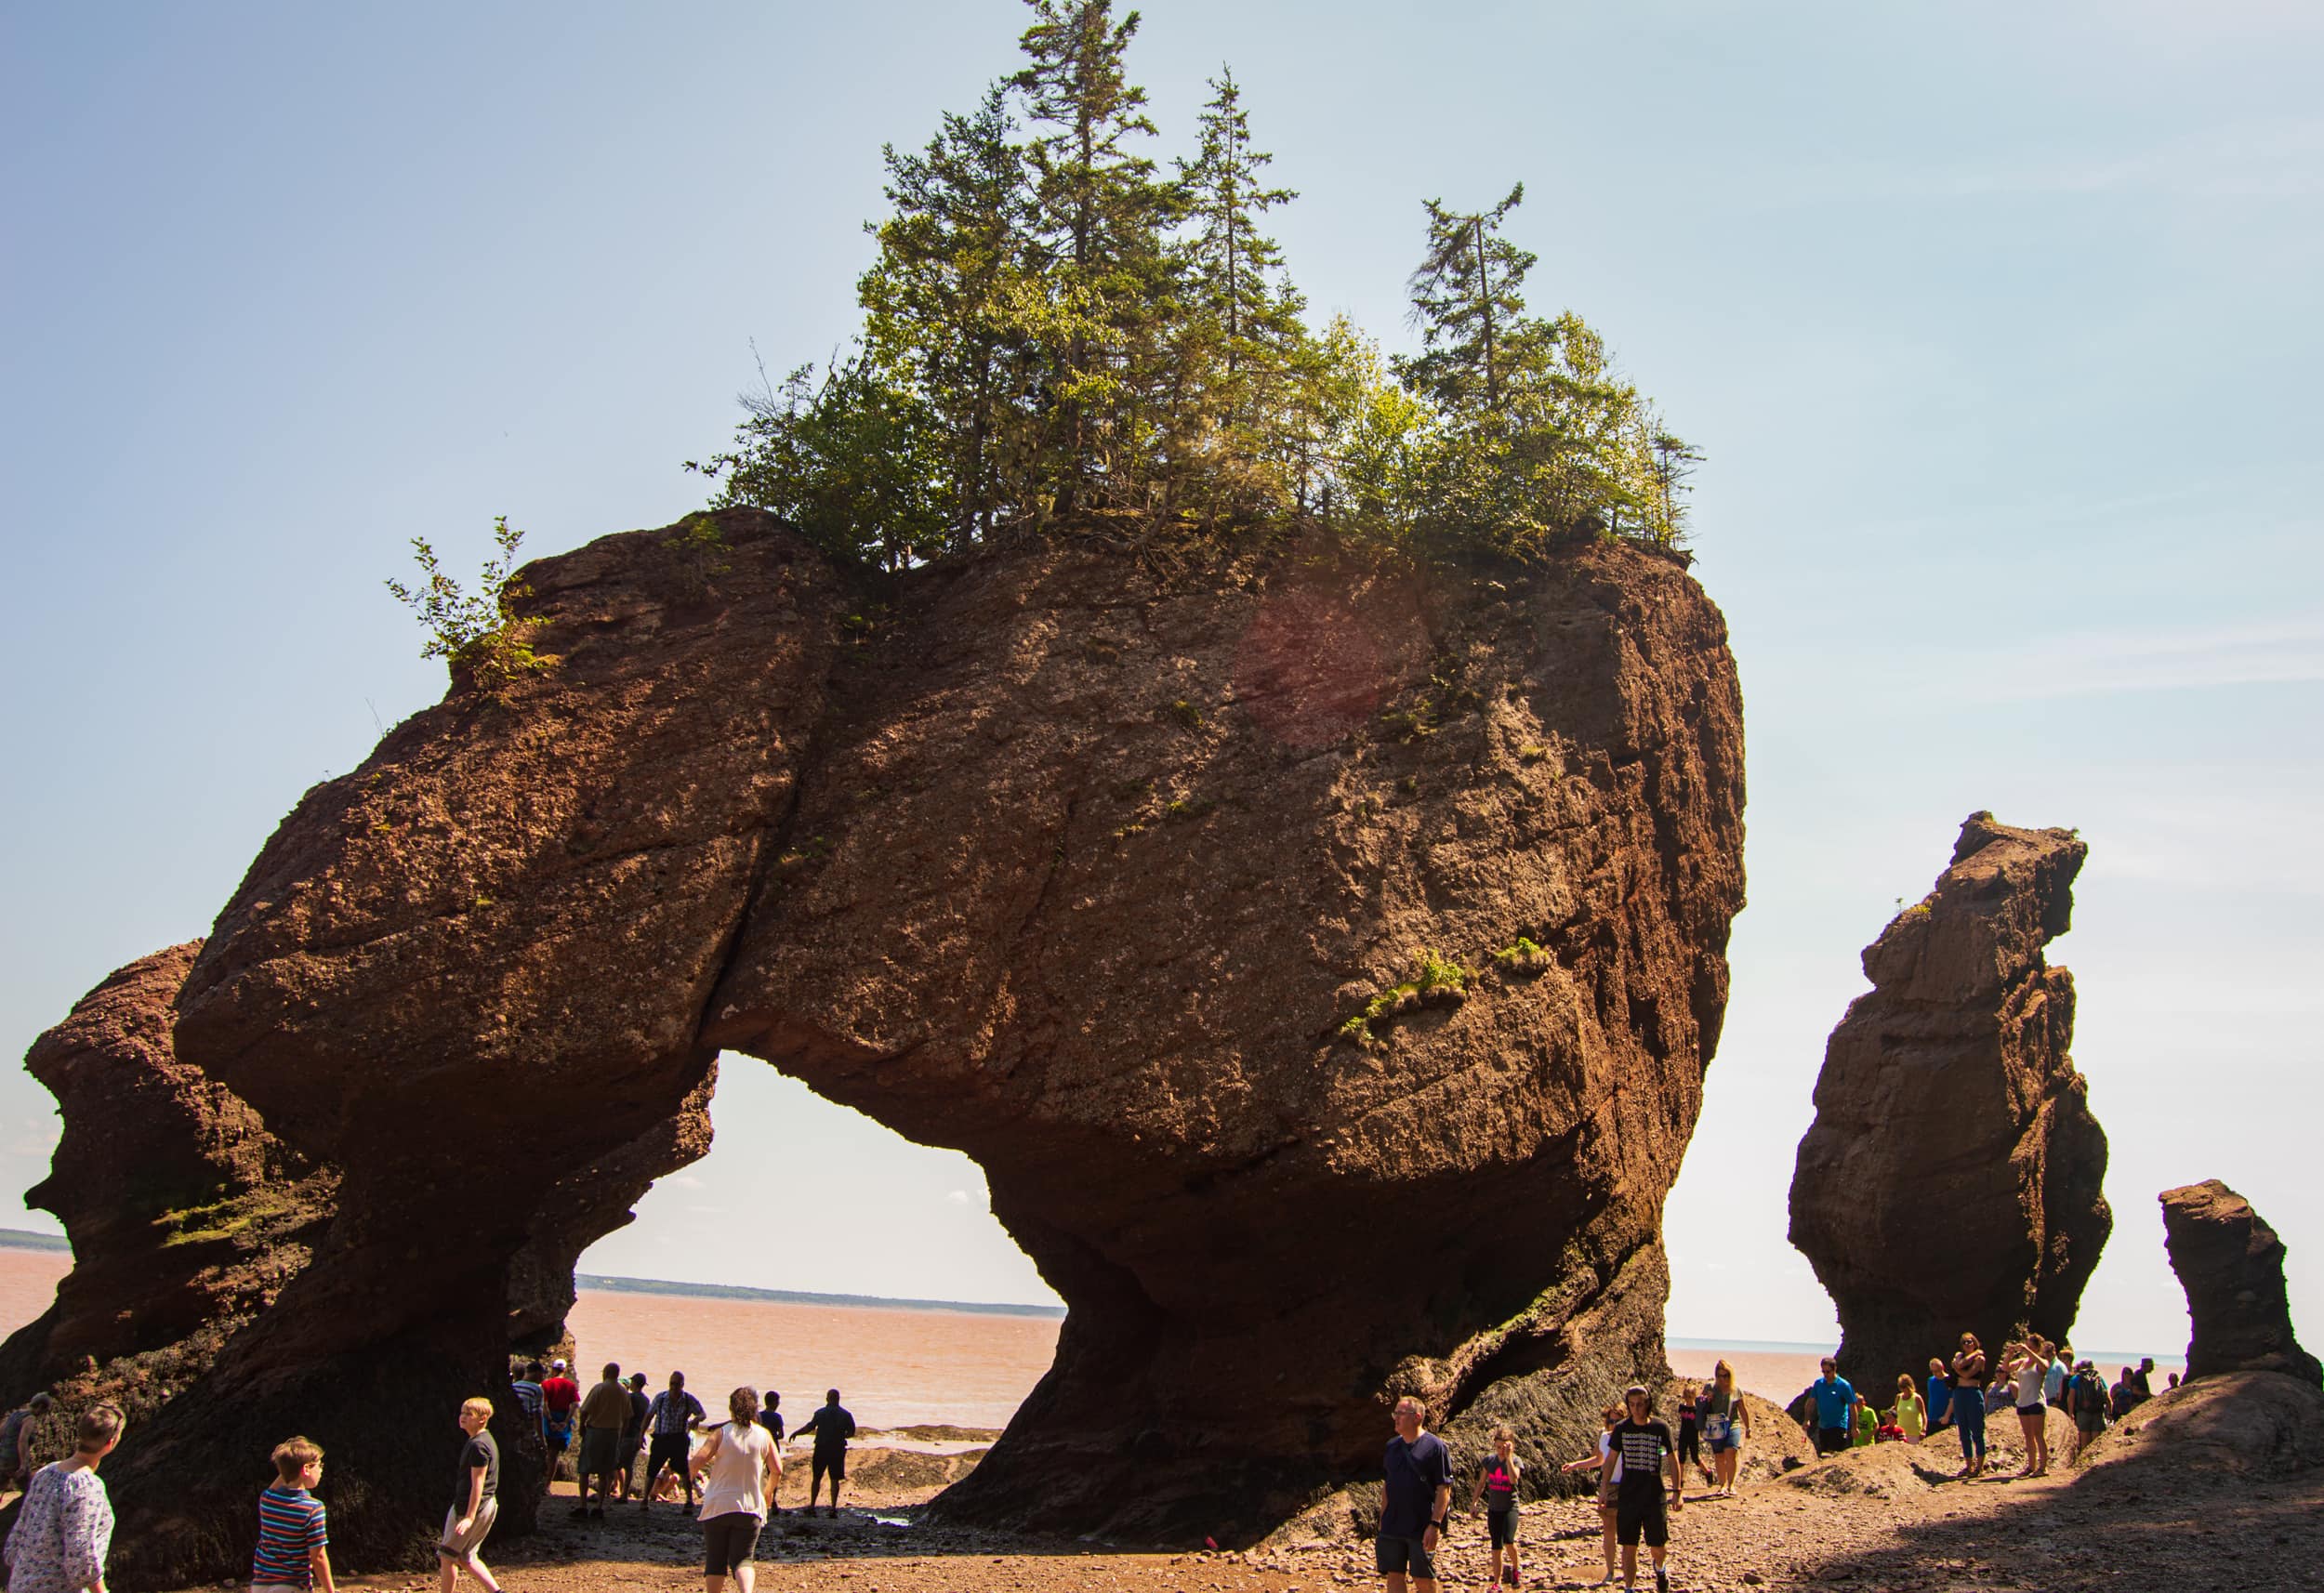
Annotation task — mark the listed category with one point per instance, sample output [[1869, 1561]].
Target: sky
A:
[[1997, 324]]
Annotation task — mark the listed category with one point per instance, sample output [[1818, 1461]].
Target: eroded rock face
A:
[[1951, 1180], [186, 1216], [1110, 880], [2232, 1265]]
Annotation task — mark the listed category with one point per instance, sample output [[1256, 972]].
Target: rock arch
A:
[[1113, 881]]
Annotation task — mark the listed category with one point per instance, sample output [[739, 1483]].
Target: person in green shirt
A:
[[1866, 1423]]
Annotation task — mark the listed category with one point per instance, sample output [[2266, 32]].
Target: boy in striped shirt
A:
[[292, 1556]]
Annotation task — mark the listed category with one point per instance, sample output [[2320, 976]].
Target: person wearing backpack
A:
[[2086, 1402], [16, 1440]]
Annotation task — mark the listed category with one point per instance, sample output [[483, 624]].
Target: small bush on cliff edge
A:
[[477, 631]]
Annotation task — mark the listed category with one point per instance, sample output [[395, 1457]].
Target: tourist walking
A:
[[1911, 1415], [832, 1427], [2058, 1367], [1968, 1406], [632, 1435], [2125, 1396], [2027, 1372], [740, 1476], [1645, 1447], [475, 1501], [1690, 1440], [294, 1551], [669, 1418], [1416, 1495], [1835, 1398], [2086, 1402], [604, 1413], [560, 1394], [64, 1528], [1726, 1425], [770, 1414], [16, 1440], [1608, 1465], [1497, 1487], [2143, 1379]]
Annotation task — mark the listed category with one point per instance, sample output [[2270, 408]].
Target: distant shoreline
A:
[[795, 1298], [25, 1239]]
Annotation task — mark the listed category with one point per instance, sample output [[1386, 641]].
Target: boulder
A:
[[1951, 1180], [1321, 955], [2232, 1265], [2251, 1424]]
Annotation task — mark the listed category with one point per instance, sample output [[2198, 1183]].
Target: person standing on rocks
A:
[[475, 1501], [1690, 1437], [1911, 1415], [832, 1427], [1726, 1425], [672, 1416], [1645, 1447], [632, 1435], [603, 1415], [1415, 1497], [744, 1474], [1835, 1399], [1969, 1404], [560, 1393], [1497, 1487], [16, 1440], [2143, 1379], [1940, 1395], [64, 1527], [2059, 1368], [1608, 1465], [2033, 1416], [2086, 1402]]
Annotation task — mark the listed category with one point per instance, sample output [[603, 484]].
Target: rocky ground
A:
[[2223, 1492]]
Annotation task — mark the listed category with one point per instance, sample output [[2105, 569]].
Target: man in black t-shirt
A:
[[475, 1501], [831, 1427], [1644, 1447], [1417, 1493]]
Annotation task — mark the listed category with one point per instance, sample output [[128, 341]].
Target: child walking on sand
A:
[[293, 1550], [1608, 1465], [1497, 1485]]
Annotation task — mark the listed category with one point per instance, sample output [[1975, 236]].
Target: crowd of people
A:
[[64, 1524], [2030, 1377]]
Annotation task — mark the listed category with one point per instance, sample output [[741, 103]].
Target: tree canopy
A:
[[1064, 335]]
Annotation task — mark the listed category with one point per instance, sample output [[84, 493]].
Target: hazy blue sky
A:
[[1999, 323]]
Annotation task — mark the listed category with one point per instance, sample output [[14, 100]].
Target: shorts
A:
[[1832, 1439], [728, 1542], [2029, 1410], [672, 1448], [1402, 1557], [455, 1545], [1641, 1511], [1500, 1528], [2087, 1425], [601, 1451], [276, 1587], [833, 1463], [559, 1439], [632, 1442]]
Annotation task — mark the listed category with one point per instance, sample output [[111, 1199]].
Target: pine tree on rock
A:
[[1100, 216], [1467, 297]]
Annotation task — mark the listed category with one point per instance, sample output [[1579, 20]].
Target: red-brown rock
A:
[[1111, 879], [1951, 1180], [2232, 1265]]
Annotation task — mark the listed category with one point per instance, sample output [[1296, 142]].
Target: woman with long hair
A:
[[1725, 1425], [1969, 1403], [2033, 1414], [1608, 1465], [65, 1526], [743, 1477]]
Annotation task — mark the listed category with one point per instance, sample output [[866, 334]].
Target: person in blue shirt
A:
[[1940, 1394], [1835, 1398]]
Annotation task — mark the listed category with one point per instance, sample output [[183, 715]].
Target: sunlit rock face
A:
[[1322, 958], [2232, 1265], [1950, 1183]]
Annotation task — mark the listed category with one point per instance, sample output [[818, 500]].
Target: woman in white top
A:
[[65, 1527], [740, 1475], [2033, 1416]]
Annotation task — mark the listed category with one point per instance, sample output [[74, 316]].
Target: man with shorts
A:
[[475, 1501], [1415, 1497], [1835, 1404], [560, 1393], [1644, 1446], [832, 1427], [673, 1415], [603, 1414]]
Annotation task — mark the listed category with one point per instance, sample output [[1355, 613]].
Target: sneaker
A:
[[1662, 1580]]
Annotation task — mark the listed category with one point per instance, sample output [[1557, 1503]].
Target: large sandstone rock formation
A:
[[1951, 1180], [1175, 901], [2232, 1265], [186, 1216]]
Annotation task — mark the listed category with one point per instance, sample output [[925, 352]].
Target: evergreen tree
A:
[[945, 304], [1466, 297], [1098, 218], [1230, 259]]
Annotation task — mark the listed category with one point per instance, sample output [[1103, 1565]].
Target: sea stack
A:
[[1320, 952], [1950, 1181], [2232, 1265]]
